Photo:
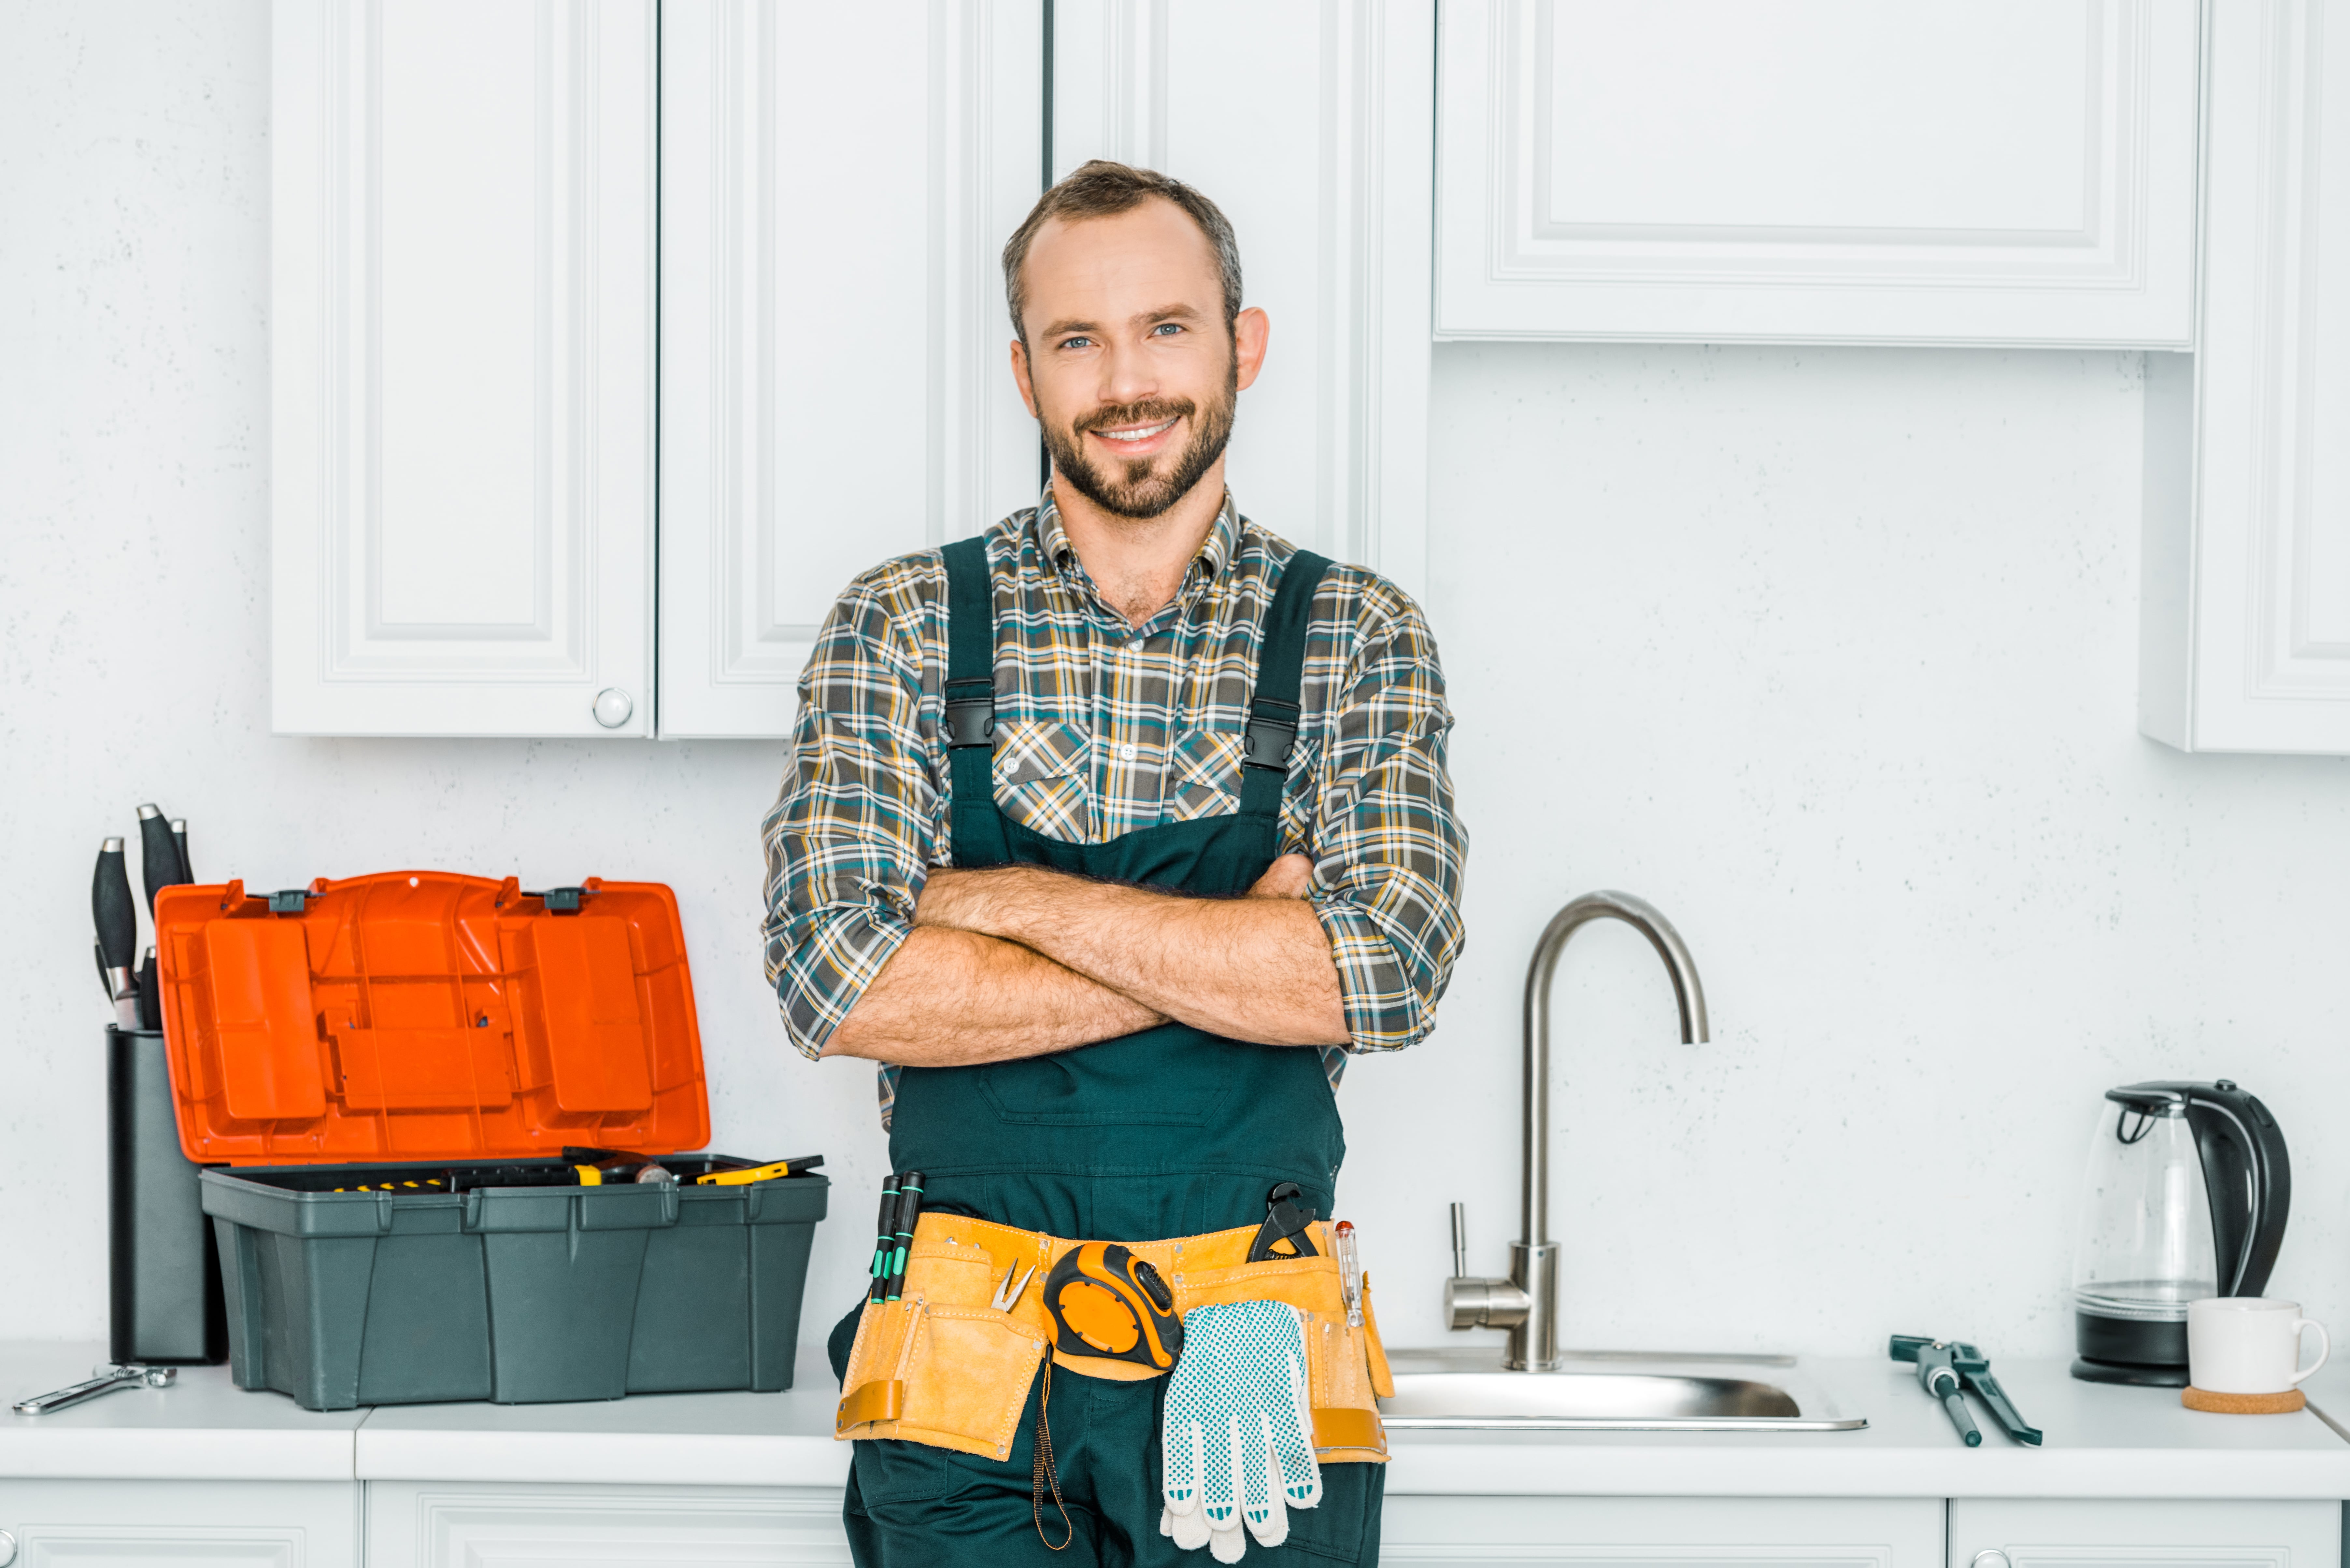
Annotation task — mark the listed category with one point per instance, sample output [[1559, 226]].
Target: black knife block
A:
[[163, 1262]]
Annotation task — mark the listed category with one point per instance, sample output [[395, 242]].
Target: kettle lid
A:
[[2165, 1099]]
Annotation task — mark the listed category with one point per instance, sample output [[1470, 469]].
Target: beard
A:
[[1135, 489]]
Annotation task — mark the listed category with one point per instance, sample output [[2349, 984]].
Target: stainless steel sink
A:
[[1445, 1390]]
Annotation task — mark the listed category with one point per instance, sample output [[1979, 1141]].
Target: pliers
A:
[[1007, 1292]]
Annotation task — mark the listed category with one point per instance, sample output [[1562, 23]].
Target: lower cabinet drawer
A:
[[175, 1523], [1662, 1533], [431, 1524], [2035, 1532]]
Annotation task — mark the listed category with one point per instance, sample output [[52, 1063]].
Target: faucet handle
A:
[[1479, 1303]]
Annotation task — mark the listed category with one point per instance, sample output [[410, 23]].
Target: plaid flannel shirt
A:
[[1102, 728]]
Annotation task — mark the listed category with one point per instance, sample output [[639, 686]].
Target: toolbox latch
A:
[[289, 900], [561, 901]]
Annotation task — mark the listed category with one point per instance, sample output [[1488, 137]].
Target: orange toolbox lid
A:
[[426, 1016]]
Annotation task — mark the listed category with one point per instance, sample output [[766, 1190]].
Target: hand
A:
[[1291, 877], [943, 891]]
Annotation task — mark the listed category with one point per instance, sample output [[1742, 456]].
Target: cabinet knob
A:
[[1991, 1557], [613, 707], [7, 1549]]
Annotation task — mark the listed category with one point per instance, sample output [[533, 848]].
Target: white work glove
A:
[[1235, 1440]]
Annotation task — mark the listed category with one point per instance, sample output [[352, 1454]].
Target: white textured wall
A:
[[134, 637], [1829, 653]]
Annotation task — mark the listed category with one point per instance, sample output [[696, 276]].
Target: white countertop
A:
[[203, 1427], [2102, 1442], [706, 1439]]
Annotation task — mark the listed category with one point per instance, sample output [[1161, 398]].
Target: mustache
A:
[[1149, 411]]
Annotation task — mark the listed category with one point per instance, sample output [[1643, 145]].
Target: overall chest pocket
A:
[[1172, 1076], [1044, 777]]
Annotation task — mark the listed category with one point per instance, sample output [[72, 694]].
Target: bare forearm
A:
[[1248, 968], [949, 998]]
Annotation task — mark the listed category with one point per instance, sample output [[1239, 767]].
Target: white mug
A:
[[2248, 1344]]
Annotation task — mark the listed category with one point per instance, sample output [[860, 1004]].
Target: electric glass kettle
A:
[[2187, 1188]]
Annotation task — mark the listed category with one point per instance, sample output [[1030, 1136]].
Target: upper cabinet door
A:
[[462, 345], [1991, 171], [1310, 126], [2245, 612], [835, 380]]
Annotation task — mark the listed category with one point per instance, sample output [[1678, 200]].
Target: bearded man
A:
[[1111, 834]]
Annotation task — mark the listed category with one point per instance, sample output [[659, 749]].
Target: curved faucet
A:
[[1526, 1303]]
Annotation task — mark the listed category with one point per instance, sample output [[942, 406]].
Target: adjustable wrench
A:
[[105, 1379]]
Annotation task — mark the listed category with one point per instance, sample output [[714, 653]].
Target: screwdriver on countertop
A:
[[117, 917], [1940, 1379]]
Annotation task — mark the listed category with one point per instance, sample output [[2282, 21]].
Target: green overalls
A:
[[1169, 1132]]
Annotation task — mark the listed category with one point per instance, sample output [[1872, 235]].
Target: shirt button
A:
[[1134, 646], [1129, 752]]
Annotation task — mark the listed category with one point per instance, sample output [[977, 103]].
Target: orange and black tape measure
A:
[[1107, 1303]]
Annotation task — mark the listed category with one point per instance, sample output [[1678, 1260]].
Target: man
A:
[[1033, 775]]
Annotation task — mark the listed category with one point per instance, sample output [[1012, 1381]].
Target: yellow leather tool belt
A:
[[942, 1366]]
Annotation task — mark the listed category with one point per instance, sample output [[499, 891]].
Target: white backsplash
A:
[[1831, 654]]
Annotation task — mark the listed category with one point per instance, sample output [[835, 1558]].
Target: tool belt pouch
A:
[[928, 1370], [943, 1366]]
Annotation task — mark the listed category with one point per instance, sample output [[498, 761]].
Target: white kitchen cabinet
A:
[[2245, 610], [1310, 126], [1646, 1532], [837, 183], [173, 1523], [2053, 1533], [431, 1524], [2000, 171], [462, 324]]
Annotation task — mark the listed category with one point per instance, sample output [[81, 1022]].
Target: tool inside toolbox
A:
[[577, 1168]]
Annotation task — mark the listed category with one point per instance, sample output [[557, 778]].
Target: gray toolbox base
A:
[[520, 1295]]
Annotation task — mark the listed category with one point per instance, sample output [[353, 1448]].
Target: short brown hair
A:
[[1101, 189]]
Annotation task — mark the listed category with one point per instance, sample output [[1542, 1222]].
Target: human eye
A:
[[1078, 341], [1167, 329]]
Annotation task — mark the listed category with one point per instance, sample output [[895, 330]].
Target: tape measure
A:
[[1107, 1303]]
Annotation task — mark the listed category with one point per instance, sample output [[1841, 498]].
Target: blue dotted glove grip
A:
[[1236, 1437]]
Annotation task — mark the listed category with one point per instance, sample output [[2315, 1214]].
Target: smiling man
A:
[[1111, 834]]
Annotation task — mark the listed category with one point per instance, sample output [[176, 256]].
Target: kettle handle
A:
[[2249, 1178]]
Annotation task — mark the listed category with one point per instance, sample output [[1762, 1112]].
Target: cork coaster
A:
[[2196, 1398]]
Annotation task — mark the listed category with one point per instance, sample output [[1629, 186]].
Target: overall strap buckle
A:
[[970, 713], [1272, 731]]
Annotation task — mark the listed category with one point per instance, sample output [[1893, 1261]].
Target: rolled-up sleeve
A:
[[1389, 847], [849, 839]]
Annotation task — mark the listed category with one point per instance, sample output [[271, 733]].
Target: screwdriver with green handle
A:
[[1945, 1368]]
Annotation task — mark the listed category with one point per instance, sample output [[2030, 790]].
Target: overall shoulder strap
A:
[[975, 827], [1280, 675]]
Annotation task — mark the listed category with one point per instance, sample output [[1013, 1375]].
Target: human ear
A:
[[1020, 377], [1250, 330]]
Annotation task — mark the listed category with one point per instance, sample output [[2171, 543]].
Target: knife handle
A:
[[159, 853], [111, 907], [179, 842], [150, 995]]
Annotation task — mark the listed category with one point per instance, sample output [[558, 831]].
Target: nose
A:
[[1127, 375]]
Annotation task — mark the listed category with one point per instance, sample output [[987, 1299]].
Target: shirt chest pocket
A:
[[1204, 778], [1203, 774], [1044, 777]]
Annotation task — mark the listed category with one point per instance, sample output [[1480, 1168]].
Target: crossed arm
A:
[[1019, 960]]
